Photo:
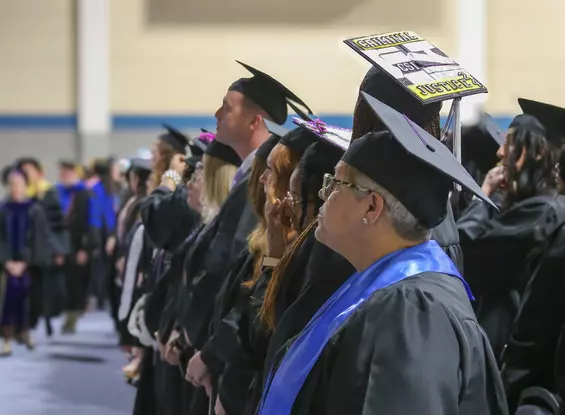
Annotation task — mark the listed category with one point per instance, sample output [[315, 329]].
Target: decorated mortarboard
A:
[[411, 164], [139, 163], [337, 136], [267, 93], [177, 140], [417, 65], [551, 116]]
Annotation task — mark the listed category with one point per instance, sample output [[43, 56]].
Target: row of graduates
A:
[[51, 238], [234, 277]]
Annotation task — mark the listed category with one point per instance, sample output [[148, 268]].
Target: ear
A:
[[376, 207], [257, 122]]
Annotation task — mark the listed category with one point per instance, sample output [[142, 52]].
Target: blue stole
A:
[[283, 386]]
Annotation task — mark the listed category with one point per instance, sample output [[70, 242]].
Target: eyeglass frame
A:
[[328, 178]]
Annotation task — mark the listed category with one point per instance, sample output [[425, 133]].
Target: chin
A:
[[320, 234]]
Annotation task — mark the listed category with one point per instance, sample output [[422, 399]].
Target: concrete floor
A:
[[67, 375]]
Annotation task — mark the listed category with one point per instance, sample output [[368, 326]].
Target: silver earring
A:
[[365, 221]]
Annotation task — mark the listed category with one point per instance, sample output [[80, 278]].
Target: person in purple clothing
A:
[[24, 235]]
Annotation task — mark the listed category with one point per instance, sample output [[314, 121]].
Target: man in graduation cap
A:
[[240, 125], [400, 336]]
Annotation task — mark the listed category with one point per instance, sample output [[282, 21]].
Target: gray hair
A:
[[404, 223]]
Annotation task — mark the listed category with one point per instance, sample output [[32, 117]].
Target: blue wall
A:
[[186, 122]]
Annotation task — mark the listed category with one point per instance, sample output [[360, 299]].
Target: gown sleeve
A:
[[529, 358], [157, 211]]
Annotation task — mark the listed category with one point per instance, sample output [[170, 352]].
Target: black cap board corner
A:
[[487, 125], [420, 145], [275, 128], [267, 92], [550, 116], [223, 152], [177, 140]]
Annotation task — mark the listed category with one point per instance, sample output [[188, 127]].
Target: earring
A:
[[365, 221]]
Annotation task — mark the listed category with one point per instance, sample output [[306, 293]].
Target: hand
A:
[[110, 245], [120, 266], [196, 370], [276, 232], [59, 260], [82, 257], [493, 180], [207, 384], [178, 164], [172, 354], [18, 268], [219, 408]]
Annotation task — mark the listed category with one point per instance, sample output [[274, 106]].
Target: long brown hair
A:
[[166, 153], [257, 240], [283, 163]]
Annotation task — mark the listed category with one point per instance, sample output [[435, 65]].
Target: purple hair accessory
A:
[[207, 137]]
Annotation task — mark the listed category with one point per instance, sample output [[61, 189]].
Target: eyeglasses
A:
[[330, 183]]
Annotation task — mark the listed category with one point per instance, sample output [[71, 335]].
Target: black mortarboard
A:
[[177, 140], [299, 139], [139, 163], [265, 149], [223, 152], [266, 92], [411, 164], [193, 161], [551, 116], [480, 142]]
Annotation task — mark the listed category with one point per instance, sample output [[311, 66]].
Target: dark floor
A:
[[67, 375]]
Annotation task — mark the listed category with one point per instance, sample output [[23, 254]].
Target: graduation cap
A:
[[336, 136], [139, 163], [223, 152], [177, 140], [265, 149], [411, 164], [275, 128], [266, 92], [481, 141], [551, 116]]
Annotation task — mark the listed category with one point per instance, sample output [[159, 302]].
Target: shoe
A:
[[6, 350]]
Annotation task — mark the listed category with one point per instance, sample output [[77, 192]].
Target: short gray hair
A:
[[404, 223]]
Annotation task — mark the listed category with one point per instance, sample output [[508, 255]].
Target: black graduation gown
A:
[[501, 253], [317, 272], [246, 340], [45, 289], [529, 359], [227, 234], [167, 218], [414, 347], [82, 237]]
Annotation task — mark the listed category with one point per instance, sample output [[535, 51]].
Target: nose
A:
[[500, 152], [263, 178], [218, 113]]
